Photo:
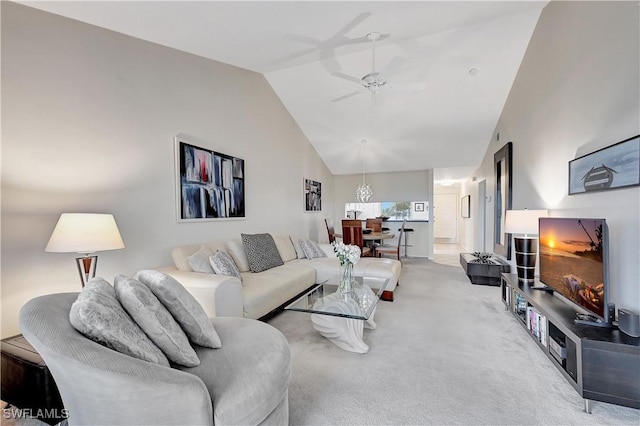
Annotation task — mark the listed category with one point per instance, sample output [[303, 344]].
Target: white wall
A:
[[577, 90], [89, 117]]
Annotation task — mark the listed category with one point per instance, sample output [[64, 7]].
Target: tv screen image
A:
[[573, 260]]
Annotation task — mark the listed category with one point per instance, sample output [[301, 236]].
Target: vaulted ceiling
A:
[[448, 65]]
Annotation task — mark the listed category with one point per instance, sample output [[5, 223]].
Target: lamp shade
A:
[[523, 221], [85, 233]]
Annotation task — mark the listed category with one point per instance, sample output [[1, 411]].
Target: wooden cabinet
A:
[[602, 364]]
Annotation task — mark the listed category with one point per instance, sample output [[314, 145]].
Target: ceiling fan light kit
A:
[[363, 191]]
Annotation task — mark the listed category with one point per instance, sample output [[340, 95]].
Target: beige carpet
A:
[[445, 352]]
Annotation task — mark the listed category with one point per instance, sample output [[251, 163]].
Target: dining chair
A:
[[352, 234], [330, 230], [374, 224], [391, 249]]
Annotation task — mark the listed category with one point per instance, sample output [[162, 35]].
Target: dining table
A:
[[371, 237]]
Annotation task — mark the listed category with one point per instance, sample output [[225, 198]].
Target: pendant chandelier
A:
[[363, 191]]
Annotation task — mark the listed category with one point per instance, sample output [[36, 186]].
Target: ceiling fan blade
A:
[[365, 39], [354, 23], [345, 96], [407, 87], [393, 66], [347, 77]]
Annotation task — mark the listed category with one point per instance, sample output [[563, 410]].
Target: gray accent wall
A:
[[577, 90], [88, 121]]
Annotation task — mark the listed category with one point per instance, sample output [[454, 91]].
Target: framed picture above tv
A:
[[616, 166]]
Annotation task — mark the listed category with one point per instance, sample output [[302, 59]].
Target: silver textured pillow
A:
[[296, 245], [98, 315], [311, 249], [183, 306], [222, 264], [261, 252], [155, 320], [199, 261]]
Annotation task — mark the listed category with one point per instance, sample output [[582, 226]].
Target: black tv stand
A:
[[543, 288], [598, 360], [591, 323]]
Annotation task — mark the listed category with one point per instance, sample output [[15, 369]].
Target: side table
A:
[[485, 272], [26, 381]]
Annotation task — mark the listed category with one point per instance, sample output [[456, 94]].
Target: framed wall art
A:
[[502, 200], [465, 206], [210, 185], [419, 207], [616, 166], [312, 195]]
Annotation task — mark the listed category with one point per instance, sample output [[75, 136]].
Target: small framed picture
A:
[[312, 195], [419, 207], [465, 206]]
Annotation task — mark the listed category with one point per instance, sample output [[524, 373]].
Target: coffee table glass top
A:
[[359, 304]]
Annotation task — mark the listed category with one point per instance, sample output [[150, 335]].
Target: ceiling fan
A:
[[374, 81]]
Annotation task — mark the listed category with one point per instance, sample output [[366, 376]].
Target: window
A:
[[394, 210]]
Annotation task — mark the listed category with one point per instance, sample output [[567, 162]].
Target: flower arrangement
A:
[[347, 253]]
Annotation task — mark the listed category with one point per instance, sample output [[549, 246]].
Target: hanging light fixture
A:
[[363, 191]]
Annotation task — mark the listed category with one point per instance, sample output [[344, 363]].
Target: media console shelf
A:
[[602, 364]]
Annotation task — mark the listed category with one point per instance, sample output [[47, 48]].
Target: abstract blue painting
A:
[[211, 184]]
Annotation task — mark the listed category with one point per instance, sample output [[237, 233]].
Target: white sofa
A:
[[259, 294]]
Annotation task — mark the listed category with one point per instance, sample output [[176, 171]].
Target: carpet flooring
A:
[[445, 352]]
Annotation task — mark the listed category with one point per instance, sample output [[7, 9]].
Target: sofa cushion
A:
[[154, 319], [235, 248], [222, 264], [269, 289], [183, 306], [261, 252], [199, 261], [98, 315], [181, 254], [285, 247], [311, 249]]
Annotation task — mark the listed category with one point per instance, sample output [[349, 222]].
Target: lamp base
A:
[[87, 268], [526, 253]]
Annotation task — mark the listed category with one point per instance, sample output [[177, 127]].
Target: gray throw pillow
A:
[[155, 320], [98, 315], [199, 261], [312, 249], [183, 306], [223, 264], [296, 245], [261, 252]]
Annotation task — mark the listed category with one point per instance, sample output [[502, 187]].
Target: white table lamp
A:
[[85, 233], [523, 224]]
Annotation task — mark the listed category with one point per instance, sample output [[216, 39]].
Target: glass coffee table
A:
[[341, 317]]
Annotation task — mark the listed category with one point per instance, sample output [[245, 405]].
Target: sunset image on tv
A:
[[571, 260]]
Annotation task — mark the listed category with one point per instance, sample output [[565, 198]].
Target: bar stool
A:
[[406, 238]]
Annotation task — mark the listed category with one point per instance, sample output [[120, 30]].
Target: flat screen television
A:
[[574, 261]]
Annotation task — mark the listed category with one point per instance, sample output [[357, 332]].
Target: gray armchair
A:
[[244, 382]]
